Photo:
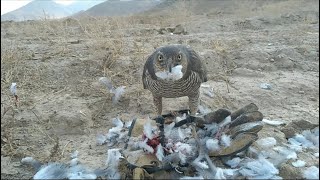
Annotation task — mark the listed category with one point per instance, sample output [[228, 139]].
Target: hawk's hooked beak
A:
[[170, 65]]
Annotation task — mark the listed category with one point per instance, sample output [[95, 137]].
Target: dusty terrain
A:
[[57, 63]]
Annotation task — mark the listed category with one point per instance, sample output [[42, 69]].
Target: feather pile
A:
[[56, 170], [182, 148], [115, 135]]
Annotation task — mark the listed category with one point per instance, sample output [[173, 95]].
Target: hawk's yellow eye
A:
[[179, 57], [160, 58]]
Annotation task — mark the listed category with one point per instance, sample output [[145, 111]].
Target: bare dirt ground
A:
[[57, 63]]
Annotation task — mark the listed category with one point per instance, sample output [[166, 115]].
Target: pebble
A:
[[265, 86], [313, 99]]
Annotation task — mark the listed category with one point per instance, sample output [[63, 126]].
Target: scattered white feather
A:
[[128, 124], [108, 173], [168, 129], [211, 129], [311, 173], [52, 171], [229, 172], [184, 148], [145, 146], [169, 145], [182, 136], [163, 75], [113, 157], [298, 163], [31, 161], [28, 160], [219, 174], [172, 158], [190, 177], [200, 164], [80, 172], [182, 157], [273, 122], [294, 142], [117, 122], [101, 139], [267, 142], [234, 162], [74, 154], [13, 88], [212, 144], [209, 93], [148, 130], [105, 81], [312, 136], [274, 157], [179, 118], [204, 110], [74, 162], [288, 153], [115, 130], [259, 169], [226, 121], [133, 144], [187, 131], [118, 92], [294, 145], [175, 74], [225, 140], [160, 153], [205, 85], [304, 142]]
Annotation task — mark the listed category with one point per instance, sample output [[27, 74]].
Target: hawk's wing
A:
[[148, 70], [196, 64]]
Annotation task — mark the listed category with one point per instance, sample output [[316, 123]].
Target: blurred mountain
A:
[[119, 7], [40, 9], [82, 5], [37, 9]]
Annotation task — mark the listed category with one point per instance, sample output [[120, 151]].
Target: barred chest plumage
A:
[[174, 89]]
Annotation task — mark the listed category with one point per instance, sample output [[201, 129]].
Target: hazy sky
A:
[[10, 5]]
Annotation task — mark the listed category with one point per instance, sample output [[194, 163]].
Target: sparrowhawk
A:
[[174, 71]]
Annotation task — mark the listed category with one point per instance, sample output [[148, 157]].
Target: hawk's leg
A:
[[158, 103], [194, 102]]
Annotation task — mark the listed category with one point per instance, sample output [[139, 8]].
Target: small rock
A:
[[179, 30], [272, 60], [297, 127], [289, 131], [265, 86], [286, 171], [301, 92], [313, 99]]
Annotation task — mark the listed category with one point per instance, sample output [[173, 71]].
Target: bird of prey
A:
[[174, 71]]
